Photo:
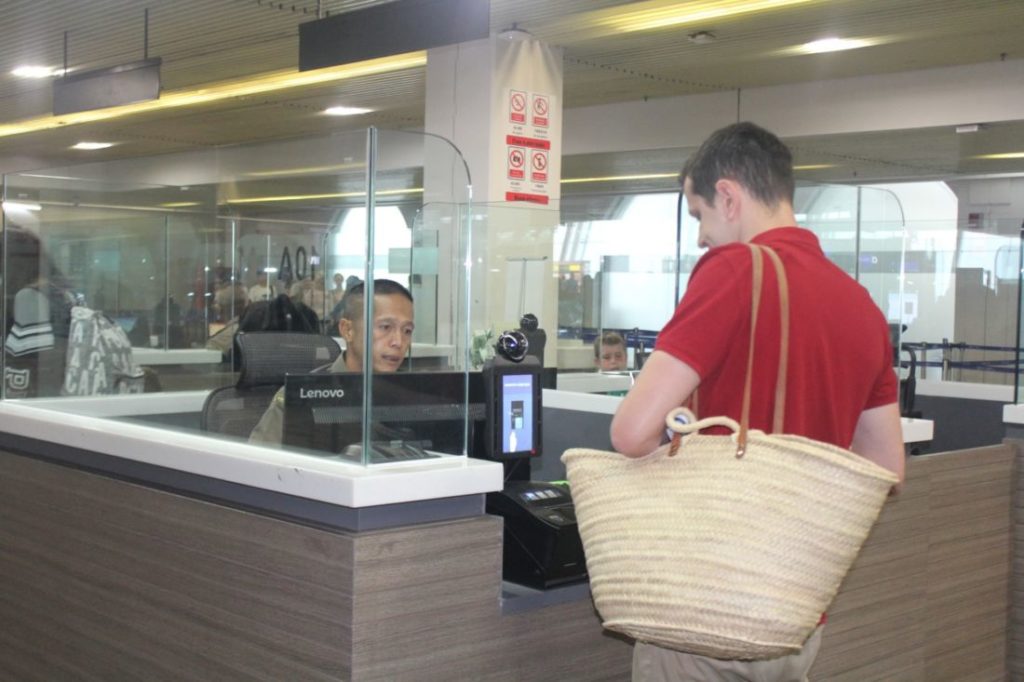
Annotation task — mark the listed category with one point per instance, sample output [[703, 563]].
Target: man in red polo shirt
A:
[[841, 386]]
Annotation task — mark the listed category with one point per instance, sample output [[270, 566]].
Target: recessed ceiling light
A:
[[346, 111], [34, 71], [701, 37], [91, 146], [833, 45]]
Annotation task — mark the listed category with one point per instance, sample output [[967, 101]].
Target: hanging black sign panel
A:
[[392, 28]]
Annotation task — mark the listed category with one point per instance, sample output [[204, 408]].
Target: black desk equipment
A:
[[415, 414], [542, 546]]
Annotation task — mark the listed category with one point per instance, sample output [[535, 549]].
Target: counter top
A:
[[914, 430], [176, 356], [63, 422]]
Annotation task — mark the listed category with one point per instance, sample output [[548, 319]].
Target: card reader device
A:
[[542, 546]]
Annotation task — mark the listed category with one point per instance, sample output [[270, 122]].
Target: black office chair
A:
[[266, 358]]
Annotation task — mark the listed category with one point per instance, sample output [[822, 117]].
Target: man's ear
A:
[[345, 328], [729, 193]]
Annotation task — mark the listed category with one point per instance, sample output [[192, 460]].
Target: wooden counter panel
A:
[[104, 579], [927, 598], [119, 581]]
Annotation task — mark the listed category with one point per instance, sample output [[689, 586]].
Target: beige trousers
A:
[[654, 664]]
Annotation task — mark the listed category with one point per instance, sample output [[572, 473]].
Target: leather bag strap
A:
[[757, 262]]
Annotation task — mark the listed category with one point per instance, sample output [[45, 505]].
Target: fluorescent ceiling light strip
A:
[[346, 111], [814, 166], [332, 195], [826, 45], [655, 14], [307, 171], [92, 146], [33, 71], [997, 157], [21, 206], [271, 82], [613, 178]]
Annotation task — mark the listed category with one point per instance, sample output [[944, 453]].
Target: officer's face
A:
[[392, 334]]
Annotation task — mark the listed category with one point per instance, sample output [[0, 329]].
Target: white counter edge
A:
[[917, 430], [582, 402], [1013, 414], [914, 430], [962, 389], [265, 468]]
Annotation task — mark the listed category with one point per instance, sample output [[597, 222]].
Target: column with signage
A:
[[500, 101]]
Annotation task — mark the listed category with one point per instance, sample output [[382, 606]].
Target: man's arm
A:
[[664, 384], [879, 437]]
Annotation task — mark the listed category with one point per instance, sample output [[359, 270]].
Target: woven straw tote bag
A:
[[728, 546]]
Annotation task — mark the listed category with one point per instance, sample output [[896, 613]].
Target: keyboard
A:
[[387, 451]]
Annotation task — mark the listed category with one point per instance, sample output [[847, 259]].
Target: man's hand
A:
[[664, 384]]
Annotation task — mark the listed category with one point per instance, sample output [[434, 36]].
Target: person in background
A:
[[610, 352], [841, 386], [231, 310], [262, 290], [339, 289], [392, 337], [315, 296]]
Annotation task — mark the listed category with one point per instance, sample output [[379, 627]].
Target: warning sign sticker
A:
[[531, 142], [525, 196], [517, 106], [538, 165], [516, 163], [540, 107]]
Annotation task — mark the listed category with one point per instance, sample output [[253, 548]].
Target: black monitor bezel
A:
[[493, 374]]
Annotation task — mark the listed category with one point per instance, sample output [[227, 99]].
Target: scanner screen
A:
[[517, 431]]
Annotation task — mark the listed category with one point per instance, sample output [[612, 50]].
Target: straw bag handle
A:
[[780, 382], [683, 421]]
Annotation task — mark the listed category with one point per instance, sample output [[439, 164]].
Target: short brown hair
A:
[[607, 339], [748, 154]]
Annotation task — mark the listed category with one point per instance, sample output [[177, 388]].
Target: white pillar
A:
[[499, 100]]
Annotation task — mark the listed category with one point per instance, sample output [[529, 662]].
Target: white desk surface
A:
[[80, 423]]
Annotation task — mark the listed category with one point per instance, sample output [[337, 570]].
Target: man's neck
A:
[[761, 219]]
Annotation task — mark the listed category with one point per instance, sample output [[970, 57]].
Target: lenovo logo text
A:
[[305, 393]]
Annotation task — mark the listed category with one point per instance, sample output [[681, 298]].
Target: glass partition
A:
[[168, 260], [628, 258]]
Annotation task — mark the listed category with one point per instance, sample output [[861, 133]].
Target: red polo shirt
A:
[[840, 357]]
